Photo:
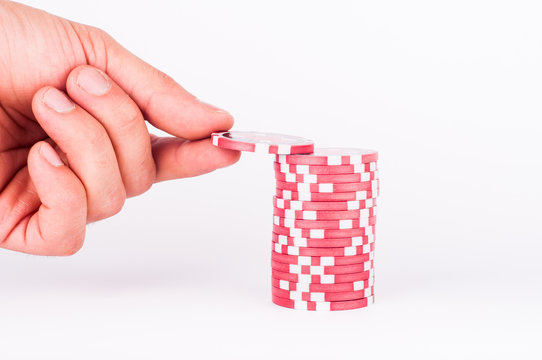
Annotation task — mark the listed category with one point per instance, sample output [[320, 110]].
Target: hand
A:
[[73, 139]]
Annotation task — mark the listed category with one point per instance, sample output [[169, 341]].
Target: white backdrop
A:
[[448, 92]]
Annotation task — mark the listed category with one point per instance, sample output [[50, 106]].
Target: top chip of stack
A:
[[259, 142]]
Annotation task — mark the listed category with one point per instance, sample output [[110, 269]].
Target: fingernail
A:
[[215, 108], [56, 100], [93, 81], [49, 154]]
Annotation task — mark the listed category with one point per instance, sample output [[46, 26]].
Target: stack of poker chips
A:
[[323, 237]]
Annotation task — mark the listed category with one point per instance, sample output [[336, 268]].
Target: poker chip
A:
[[323, 296], [323, 233], [323, 205], [325, 224], [322, 279], [324, 215], [259, 142], [326, 178], [314, 196], [323, 305], [329, 187], [321, 260], [308, 251], [324, 243], [322, 169], [322, 269], [325, 288], [331, 156]]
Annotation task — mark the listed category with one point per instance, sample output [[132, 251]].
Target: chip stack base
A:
[[324, 217]]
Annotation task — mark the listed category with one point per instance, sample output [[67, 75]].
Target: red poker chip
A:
[[321, 260], [322, 243], [323, 296], [326, 288], [331, 156], [326, 178], [323, 306], [259, 142], [322, 215], [314, 196], [328, 187], [309, 251], [323, 233], [323, 205], [325, 224], [322, 270], [324, 169], [322, 279]]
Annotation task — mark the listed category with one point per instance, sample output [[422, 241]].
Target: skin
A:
[[73, 139]]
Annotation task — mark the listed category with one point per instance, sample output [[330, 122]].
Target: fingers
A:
[[120, 116], [87, 147], [164, 102], [176, 158], [58, 227]]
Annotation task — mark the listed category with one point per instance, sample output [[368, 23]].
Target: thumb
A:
[[58, 228], [164, 103]]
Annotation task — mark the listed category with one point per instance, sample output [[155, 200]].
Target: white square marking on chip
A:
[[302, 169], [281, 158], [302, 242], [365, 177], [317, 233], [259, 147], [345, 224], [352, 205], [303, 287], [283, 284], [334, 160], [280, 203], [358, 168], [284, 149], [354, 159], [304, 278], [323, 306], [349, 251], [294, 268], [310, 178], [296, 205], [304, 196], [318, 297], [327, 279], [325, 188], [327, 261], [294, 295], [304, 260], [289, 213], [309, 215], [215, 140], [358, 285], [372, 166], [290, 177], [303, 187], [296, 232]]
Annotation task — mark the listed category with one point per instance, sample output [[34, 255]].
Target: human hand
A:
[[73, 140]]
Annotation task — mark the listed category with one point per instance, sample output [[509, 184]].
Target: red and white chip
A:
[[322, 279], [314, 196], [306, 251], [323, 305], [326, 178], [324, 169], [325, 224], [321, 260], [322, 296], [329, 187], [323, 243], [259, 142], [323, 205], [323, 233], [331, 156], [322, 269], [326, 288], [324, 214]]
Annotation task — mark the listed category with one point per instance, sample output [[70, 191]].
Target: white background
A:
[[448, 92]]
